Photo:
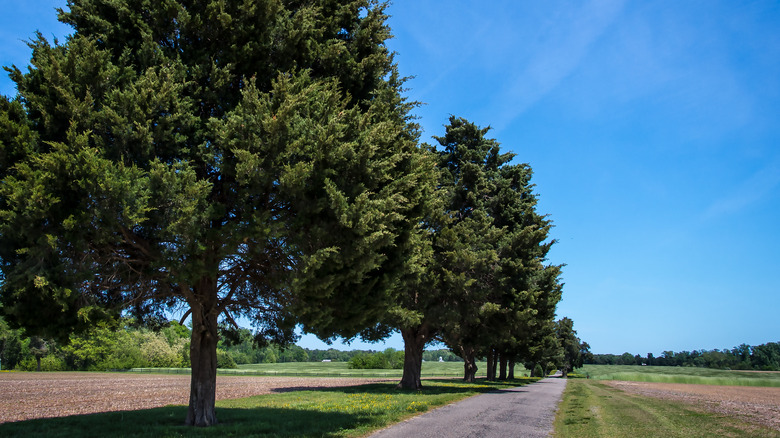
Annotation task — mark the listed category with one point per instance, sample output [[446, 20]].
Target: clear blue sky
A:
[[653, 129]]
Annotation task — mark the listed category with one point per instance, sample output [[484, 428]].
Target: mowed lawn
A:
[[701, 376], [591, 408], [337, 369], [341, 369]]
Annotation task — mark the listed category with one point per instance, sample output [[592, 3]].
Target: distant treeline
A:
[[764, 357], [129, 346]]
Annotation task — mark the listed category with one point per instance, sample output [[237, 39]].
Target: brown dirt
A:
[[756, 405], [40, 395]]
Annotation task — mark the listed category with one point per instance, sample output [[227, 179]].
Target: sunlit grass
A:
[[334, 369], [689, 375]]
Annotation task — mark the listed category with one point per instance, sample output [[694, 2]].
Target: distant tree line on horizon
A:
[[167, 346], [764, 357]]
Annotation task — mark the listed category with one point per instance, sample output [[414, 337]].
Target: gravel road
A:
[[527, 411]]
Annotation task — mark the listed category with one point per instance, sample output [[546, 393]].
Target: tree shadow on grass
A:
[[430, 387], [169, 422]]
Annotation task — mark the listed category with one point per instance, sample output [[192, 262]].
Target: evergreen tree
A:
[[249, 158], [570, 345], [544, 348], [490, 253]]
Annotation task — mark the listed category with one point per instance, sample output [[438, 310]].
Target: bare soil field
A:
[[756, 405], [40, 395]]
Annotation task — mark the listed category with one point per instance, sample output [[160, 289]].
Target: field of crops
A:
[[690, 375]]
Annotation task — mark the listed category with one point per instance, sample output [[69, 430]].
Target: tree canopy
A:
[[483, 285], [250, 158], [493, 251]]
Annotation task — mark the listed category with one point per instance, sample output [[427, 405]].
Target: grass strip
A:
[[330, 412], [330, 369], [689, 375], [696, 380], [592, 409]]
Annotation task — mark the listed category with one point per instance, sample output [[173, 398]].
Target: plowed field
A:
[[752, 404], [39, 395]]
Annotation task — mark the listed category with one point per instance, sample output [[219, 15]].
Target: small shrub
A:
[[538, 371], [225, 360], [240, 358], [53, 363], [388, 359], [27, 364], [156, 350], [368, 361]]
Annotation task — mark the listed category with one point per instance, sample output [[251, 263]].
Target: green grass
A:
[[333, 412], [334, 369], [702, 376], [592, 409]]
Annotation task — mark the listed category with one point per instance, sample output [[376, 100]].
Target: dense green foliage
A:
[[101, 348], [764, 357], [485, 289], [492, 251], [246, 159], [126, 346], [573, 351], [388, 359], [148, 138]]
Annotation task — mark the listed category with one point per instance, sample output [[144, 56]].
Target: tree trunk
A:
[[415, 339], [203, 356], [38, 359], [469, 364], [502, 368], [511, 374], [491, 365], [565, 370]]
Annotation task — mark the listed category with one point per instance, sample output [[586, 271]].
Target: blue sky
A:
[[653, 129]]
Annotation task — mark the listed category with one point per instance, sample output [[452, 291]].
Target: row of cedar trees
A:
[[257, 159]]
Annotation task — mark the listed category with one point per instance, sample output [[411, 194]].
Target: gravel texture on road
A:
[[41, 395], [758, 405], [526, 411]]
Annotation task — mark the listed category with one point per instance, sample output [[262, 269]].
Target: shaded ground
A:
[[40, 395], [756, 405]]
